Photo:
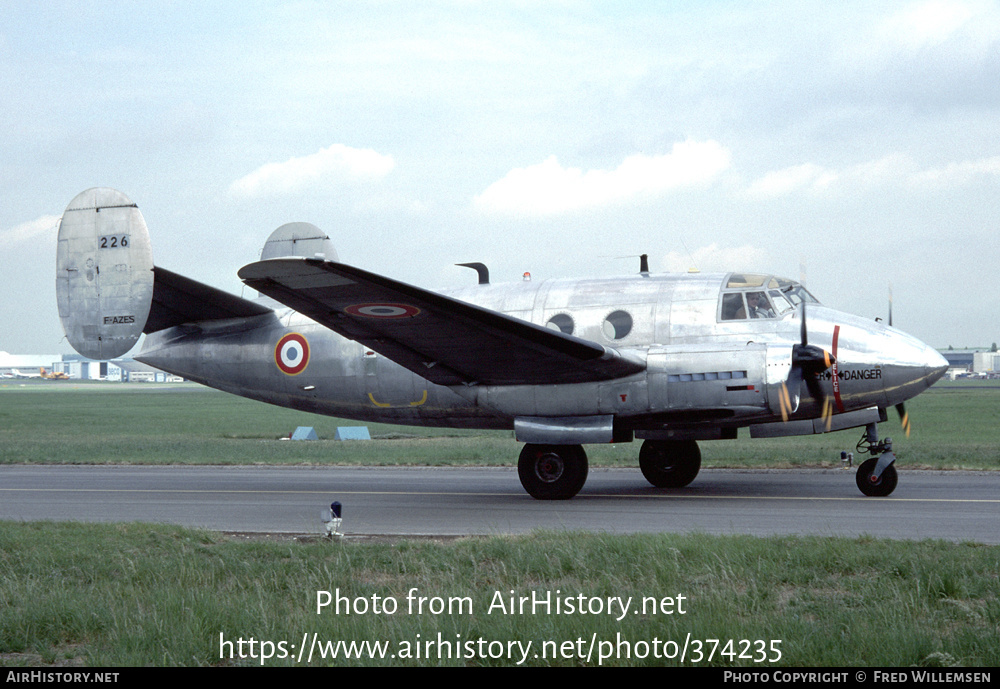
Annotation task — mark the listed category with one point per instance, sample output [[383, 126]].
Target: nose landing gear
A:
[[876, 476]]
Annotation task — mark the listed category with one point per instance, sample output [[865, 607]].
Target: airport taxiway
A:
[[950, 505]]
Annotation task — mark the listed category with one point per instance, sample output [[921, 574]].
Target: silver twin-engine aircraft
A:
[[669, 359]]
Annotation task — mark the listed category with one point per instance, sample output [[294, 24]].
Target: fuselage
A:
[[708, 369]]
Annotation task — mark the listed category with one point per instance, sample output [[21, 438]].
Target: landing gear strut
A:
[[669, 463], [876, 476], [552, 472]]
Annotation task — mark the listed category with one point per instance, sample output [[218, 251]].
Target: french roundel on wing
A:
[[376, 310], [292, 354]]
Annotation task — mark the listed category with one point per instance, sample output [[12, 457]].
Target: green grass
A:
[[955, 427], [139, 594], [160, 595]]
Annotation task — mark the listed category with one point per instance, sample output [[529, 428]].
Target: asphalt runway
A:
[[950, 505]]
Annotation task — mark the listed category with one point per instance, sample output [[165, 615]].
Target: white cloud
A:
[[892, 170], [930, 23], [950, 34], [807, 176], [47, 224], [336, 163], [714, 258], [548, 188], [958, 173]]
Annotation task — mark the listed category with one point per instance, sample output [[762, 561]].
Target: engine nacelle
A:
[[104, 273]]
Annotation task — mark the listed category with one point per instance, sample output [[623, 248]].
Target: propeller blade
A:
[[789, 394], [890, 304], [904, 418], [827, 413], [803, 325], [808, 362]]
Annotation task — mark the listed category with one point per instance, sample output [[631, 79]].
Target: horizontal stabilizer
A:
[[444, 340], [178, 300]]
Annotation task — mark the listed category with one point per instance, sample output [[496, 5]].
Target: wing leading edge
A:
[[446, 341]]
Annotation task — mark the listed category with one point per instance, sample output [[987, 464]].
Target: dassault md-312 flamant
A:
[[670, 359]]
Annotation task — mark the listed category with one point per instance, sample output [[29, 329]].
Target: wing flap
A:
[[445, 340]]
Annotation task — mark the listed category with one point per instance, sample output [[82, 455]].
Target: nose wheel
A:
[[872, 485], [877, 475]]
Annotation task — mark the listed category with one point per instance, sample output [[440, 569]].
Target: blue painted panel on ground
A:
[[305, 433], [352, 433]]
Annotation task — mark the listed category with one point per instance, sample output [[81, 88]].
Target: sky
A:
[[854, 143]]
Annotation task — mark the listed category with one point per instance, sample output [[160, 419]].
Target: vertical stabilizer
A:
[[104, 273]]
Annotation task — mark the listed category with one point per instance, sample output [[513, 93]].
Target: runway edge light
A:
[[332, 520]]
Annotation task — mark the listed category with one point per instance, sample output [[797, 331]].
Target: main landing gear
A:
[[552, 472], [876, 476], [558, 472], [669, 463]]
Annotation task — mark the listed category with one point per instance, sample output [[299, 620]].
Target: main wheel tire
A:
[[876, 488], [552, 472], [670, 463]]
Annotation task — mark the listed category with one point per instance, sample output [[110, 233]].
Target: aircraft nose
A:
[[934, 364], [912, 367]]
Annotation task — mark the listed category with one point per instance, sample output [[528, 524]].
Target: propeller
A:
[[904, 417], [808, 361], [890, 304]]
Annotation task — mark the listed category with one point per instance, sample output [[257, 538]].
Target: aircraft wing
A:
[[444, 340]]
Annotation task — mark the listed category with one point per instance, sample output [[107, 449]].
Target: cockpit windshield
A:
[[746, 296]]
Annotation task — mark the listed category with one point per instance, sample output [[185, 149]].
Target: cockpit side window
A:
[[733, 307], [798, 294], [781, 304], [794, 292], [758, 306], [747, 296]]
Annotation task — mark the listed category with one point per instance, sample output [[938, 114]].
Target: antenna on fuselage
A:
[[643, 263], [481, 269], [694, 267]]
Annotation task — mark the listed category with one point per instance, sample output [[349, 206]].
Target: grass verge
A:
[[131, 594], [955, 427]]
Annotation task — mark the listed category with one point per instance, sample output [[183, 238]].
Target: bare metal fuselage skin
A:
[[686, 390]]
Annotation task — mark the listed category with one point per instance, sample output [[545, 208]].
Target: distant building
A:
[[959, 358], [81, 368], [986, 362], [12, 365]]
